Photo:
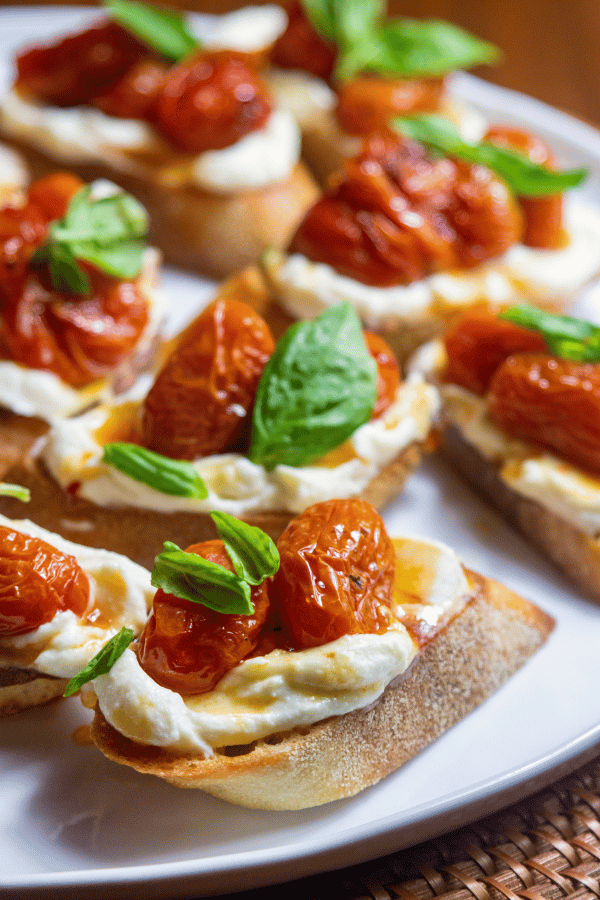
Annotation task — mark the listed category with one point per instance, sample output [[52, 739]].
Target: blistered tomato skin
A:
[[202, 398], [76, 69], [479, 342], [53, 193], [135, 94], [337, 573], [36, 582], [388, 373], [210, 101], [301, 47], [368, 102], [187, 647], [550, 402], [544, 229], [396, 216]]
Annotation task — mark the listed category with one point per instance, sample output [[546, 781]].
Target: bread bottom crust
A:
[[22, 689], [212, 234], [574, 551], [480, 649]]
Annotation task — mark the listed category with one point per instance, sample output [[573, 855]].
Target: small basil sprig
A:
[[106, 232], [317, 388], [16, 491], [102, 662], [163, 30], [401, 48], [169, 476], [253, 554], [566, 337], [524, 177]]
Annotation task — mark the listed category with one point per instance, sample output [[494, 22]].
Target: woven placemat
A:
[[543, 848]]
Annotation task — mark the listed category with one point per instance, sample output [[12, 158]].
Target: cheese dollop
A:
[[73, 453], [120, 594], [305, 288], [284, 690]]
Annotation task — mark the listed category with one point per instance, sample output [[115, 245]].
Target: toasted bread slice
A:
[[140, 533], [574, 551], [486, 643], [22, 689]]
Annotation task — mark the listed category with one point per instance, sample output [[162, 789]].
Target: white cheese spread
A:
[[284, 689], [305, 288], [120, 594], [247, 30], [235, 485]]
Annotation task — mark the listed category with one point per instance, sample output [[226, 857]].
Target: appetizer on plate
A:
[[410, 238], [237, 424], [59, 603], [80, 310], [288, 677], [522, 402], [189, 129], [344, 70]]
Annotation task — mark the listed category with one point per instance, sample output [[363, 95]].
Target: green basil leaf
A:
[[169, 476], [124, 260], [65, 272], [163, 30], [252, 553], [193, 578], [525, 178], [103, 661], [15, 490], [566, 337], [317, 388]]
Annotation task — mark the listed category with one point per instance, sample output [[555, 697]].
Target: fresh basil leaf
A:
[[103, 661], [169, 476], [15, 490], [163, 30], [317, 388], [124, 260], [566, 337], [525, 178], [191, 577], [65, 272], [252, 553]]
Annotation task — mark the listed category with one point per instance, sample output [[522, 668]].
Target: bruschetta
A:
[[236, 423], [188, 127], [522, 408], [59, 604], [351, 653], [410, 239]]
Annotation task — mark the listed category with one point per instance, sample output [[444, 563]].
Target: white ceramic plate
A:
[[72, 824]]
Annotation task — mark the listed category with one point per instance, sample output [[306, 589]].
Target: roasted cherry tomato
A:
[[479, 342], [337, 573], [76, 69], [551, 402], [186, 646], [396, 216], [52, 194], [388, 374], [135, 94], [301, 47], [210, 101], [543, 215], [202, 398], [36, 582], [368, 102], [78, 338], [22, 230]]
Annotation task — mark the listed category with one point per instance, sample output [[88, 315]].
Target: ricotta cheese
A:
[[248, 30], [120, 594], [284, 689], [73, 453], [305, 288]]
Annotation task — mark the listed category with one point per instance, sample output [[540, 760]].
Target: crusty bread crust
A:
[[480, 649], [22, 689], [213, 234], [140, 533], [571, 549]]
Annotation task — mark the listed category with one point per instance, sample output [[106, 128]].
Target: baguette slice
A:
[[484, 645], [22, 689], [140, 533], [568, 547], [213, 234]]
